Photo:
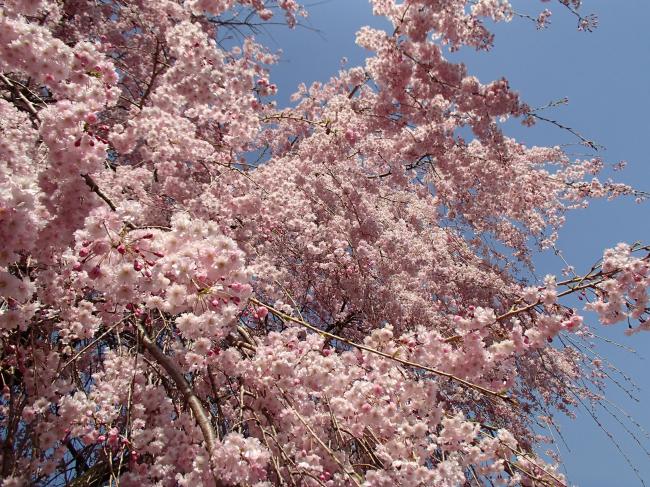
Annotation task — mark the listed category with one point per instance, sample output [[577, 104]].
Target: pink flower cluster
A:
[[622, 292], [344, 311]]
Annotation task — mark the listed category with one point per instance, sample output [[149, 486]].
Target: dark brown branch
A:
[[29, 106], [154, 75], [97, 475], [201, 417], [90, 182]]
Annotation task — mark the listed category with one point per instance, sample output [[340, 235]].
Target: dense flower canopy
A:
[[200, 288]]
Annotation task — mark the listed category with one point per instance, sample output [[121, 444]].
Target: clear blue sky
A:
[[606, 76]]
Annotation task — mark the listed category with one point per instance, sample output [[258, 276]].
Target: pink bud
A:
[[121, 249], [77, 266], [235, 299], [77, 143], [101, 438], [91, 118], [158, 254], [84, 252], [137, 265], [262, 312], [327, 352]]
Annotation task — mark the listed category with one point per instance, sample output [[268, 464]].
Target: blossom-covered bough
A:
[[173, 313]]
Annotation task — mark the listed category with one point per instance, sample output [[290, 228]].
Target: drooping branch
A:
[[407, 363], [90, 182], [200, 415], [589, 143]]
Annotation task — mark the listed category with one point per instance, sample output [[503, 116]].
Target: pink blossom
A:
[[347, 310]]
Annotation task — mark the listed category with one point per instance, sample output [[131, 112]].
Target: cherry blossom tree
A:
[[200, 288]]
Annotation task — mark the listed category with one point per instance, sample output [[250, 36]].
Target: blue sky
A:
[[606, 76]]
